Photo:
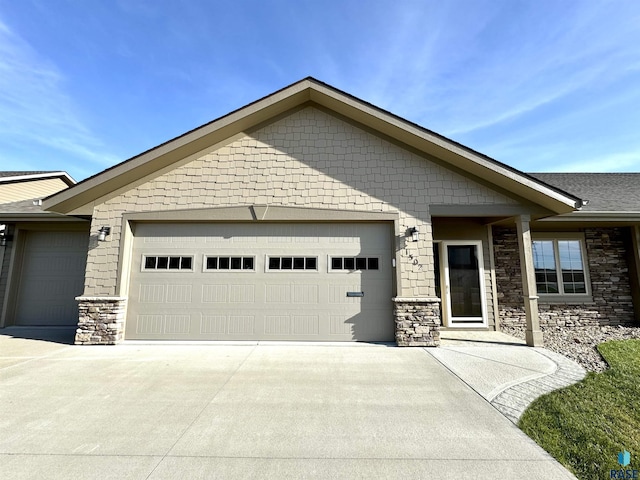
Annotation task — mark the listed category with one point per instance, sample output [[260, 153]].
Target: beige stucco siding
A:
[[14, 192], [308, 159]]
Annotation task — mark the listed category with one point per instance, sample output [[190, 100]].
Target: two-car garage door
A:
[[267, 281]]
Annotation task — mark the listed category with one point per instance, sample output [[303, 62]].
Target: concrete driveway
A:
[[249, 411]]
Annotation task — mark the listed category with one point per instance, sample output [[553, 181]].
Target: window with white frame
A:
[[354, 263], [560, 266], [228, 263], [292, 263], [162, 262]]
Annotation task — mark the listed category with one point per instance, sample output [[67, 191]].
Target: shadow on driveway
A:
[[62, 335]]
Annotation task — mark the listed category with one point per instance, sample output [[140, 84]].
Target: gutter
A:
[[595, 216]]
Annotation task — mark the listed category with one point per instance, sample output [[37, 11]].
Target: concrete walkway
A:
[[249, 411], [504, 370]]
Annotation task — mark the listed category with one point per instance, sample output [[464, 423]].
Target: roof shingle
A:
[[605, 192]]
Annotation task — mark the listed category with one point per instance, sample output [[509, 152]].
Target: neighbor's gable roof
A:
[[80, 198], [28, 211], [30, 176]]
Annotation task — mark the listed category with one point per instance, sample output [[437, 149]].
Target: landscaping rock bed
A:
[[579, 343]]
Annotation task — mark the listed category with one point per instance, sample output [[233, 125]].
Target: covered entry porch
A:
[[465, 272]]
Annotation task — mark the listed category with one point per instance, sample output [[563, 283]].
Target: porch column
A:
[[533, 332]]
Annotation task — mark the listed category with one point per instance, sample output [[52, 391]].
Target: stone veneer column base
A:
[[101, 320], [417, 321]]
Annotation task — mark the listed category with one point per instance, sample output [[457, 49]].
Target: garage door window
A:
[[292, 263], [229, 263], [156, 262], [340, 264]]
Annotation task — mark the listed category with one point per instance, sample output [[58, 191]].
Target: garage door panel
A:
[[340, 325], [179, 293], [240, 293], [215, 293], [277, 325], [213, 325], [151, 294], [278, 294], [308, 302], [52, 276], [149, 324]]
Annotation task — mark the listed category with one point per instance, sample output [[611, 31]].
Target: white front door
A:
[[464, 299]]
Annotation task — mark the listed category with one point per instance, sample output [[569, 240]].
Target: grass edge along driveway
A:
[[586, 425]]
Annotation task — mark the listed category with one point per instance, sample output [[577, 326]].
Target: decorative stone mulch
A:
[[579, 343]]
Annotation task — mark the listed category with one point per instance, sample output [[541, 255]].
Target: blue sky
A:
[[542, 85]]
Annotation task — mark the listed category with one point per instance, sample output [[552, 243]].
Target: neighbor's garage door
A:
[[52, 276], [329, 282]]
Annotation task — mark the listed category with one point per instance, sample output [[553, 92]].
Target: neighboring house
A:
[[312, 215], [16, 186], [42, 254]]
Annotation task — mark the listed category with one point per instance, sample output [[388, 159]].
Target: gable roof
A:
[[309, 91]]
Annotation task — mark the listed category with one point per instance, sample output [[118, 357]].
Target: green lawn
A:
[[585, 426]]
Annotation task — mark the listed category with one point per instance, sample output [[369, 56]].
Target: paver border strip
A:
[[515, 399]]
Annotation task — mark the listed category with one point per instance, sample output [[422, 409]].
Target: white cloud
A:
[[36, 110], [466, 66]]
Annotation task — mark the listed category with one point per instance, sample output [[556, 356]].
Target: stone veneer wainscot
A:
[[608, 270], [101, 320], [417, 322]]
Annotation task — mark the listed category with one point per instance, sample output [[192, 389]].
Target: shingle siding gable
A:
[[308, 159]]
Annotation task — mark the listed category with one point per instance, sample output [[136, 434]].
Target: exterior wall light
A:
[[415, 234], [103, 232]]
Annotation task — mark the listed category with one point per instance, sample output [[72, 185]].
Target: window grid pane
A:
[[292, 263], [229, 263], [570, 256], [355, 263], [547, 254], [153, 262], [150, 262]]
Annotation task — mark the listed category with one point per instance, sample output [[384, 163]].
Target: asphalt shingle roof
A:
[[20, 174], [606, 192], [21, 206]]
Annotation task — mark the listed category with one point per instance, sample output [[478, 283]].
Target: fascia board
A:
[[444, 149], [88, 191], [64, 176], [30, 217], [102, 184]]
